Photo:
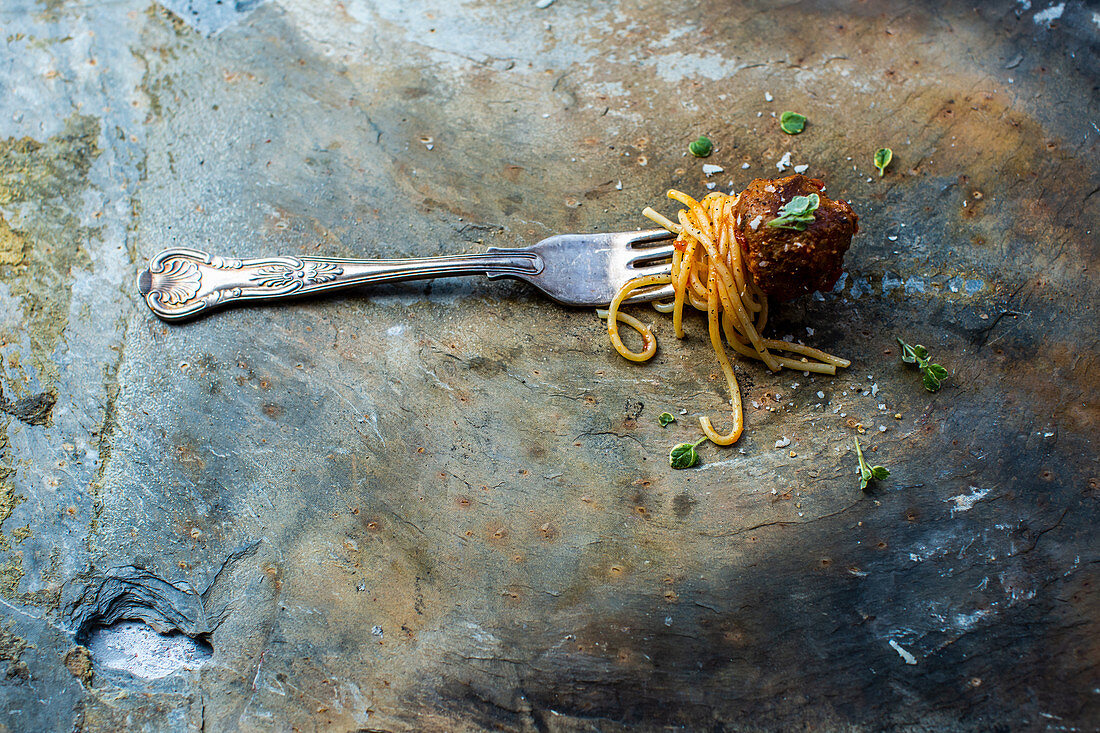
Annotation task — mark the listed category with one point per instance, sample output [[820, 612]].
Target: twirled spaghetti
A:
[[709, 274]]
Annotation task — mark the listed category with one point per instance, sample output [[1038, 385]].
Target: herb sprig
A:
[[933, 375], [684, 455], [665, 418], [883, 156], [798, 213], [868, 473], [701, 147], [792, 123]]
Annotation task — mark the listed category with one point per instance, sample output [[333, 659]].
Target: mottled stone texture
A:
[[448, 506]]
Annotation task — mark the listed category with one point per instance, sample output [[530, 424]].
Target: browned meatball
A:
[[787, 263]]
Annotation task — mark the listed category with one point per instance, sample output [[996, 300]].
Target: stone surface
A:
[[447, 506]]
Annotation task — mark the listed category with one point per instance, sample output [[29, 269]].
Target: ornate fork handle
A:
[[180, 283]]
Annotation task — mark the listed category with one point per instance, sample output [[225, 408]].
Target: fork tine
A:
[[650, 294], [653, 254], [649, 236], [659, 268]]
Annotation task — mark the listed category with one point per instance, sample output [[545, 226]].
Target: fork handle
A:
[[180, 283]]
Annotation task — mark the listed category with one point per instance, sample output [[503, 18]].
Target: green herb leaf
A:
[[684, 455], [799, 224], [931, 383], [920, 352], [937, 371], [879, 472], [701, 147], [883, 156], [792, 123], [797, 205], [665, 418], [798, 213]]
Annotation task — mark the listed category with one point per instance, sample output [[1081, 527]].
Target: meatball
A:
[[787, 263]]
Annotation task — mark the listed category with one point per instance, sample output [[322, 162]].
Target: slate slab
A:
[[448, 506]]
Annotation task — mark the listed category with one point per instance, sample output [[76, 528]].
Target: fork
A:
[[573, 269]]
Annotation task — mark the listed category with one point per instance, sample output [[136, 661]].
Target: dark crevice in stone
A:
[[33, 410], [135, 594], [132, 593]]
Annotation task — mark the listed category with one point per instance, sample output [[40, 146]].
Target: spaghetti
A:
[[709, 274]]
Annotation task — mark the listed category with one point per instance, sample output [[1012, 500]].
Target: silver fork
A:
[[573, 269]]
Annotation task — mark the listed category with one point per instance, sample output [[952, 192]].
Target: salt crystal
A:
[[905, 655], [710, 170], [710, 185], [821, 395], [768, 96], [801, 168], [783, 442], [756, 222], [809, 330], [744, 166], [785, 162], [619, 186], [874, 389]]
